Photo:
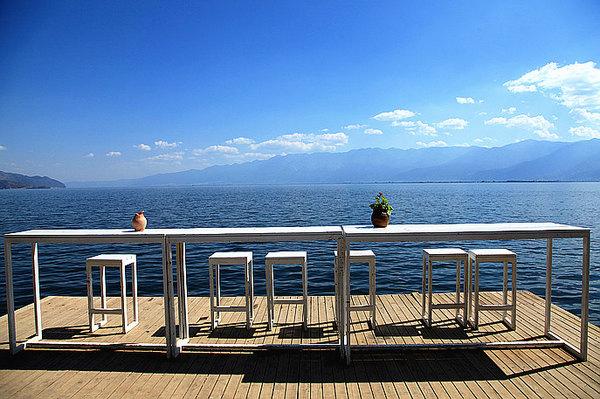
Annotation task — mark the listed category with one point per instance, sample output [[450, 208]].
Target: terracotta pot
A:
[[380, 219], [139, 221]]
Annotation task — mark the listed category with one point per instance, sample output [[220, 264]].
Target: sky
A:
[[109, 90]]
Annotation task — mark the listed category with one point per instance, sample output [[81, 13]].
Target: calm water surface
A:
[[63, 272]]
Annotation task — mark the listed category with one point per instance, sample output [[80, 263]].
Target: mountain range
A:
[[16, 180], [528, 160]]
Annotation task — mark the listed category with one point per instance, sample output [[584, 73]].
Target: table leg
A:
[[182, 294], [585, 290], [10, 300], [168, 297], [35, 272], [548, 299]]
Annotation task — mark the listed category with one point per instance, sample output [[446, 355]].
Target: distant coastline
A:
[[15, 181]]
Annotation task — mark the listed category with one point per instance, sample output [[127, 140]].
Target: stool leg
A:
[[336, 287], [269, 278], [103, 293], [476, 310], [514, 295], [429, 293], [457, 288], [373, 291], [251, 292], [247, 294], [211, 289], [90, 292], [217, 272], [505, 288], [423, 292], [134, 291], [304, 295], [123, 298], [465, 294]]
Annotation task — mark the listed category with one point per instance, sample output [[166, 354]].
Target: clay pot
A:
[[380, 219], [139, 221]]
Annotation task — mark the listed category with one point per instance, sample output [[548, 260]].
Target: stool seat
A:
[[238, 258], [492, 255], [359, 256], [111, 260], [445, 253], [230, 258], [287, 257]]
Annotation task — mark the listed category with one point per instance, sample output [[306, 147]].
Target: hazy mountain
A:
[[15, 180], [527, 160]]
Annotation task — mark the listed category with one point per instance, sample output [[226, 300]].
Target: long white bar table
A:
[[180, 237], [470, 232], [74, 236]]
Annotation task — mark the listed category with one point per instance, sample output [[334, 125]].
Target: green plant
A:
[[381, 204]]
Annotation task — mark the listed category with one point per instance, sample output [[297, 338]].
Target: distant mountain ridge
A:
[[529, 160], [16, 180]]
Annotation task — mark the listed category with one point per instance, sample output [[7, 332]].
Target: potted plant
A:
[[382, 210]]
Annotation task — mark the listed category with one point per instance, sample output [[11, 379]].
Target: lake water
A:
[[63, 272]]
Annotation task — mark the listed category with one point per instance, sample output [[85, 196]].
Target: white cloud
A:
[[465, 100], [453, 123], [484, 141], [113, 154], [394, 116], [167, 157], [482, 113], [2, 147], [587, 116], [240, 141], [417, 127], [373, 131], [509, 110], [437, 143], [89, 155], [584, 131], [537, 124], [576, 86], [304, 142], [165, 144], [216, 149], [143, 147], [354, 127], [324, 130]]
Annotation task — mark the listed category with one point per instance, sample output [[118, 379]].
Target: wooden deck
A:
[[315, 373]]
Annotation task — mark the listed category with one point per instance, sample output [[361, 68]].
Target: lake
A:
[[62, 267]]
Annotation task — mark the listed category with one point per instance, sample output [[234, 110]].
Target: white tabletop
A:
[[254, 234], [88, 235], [466, 231]]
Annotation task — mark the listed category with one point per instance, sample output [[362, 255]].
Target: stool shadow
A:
[[232, 332], [67, 332], [297, 331]]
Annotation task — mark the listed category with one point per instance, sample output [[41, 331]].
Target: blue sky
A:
[[104, 90]]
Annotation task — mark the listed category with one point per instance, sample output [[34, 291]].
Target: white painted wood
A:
[[548, 298], [120, 261], [35, 272], [496, 255], [169, 299], [585, 291], [368, 257], [215, 261], [286, 258], [10, 301], [182, 295]]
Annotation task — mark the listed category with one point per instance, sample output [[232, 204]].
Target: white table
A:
[[73, 236], [180, 237], [494, 231]]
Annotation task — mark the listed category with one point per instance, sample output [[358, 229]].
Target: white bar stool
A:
[[215, 261], [365, 256], [111, 260], [286, 258], [504, 256], [431, 255]]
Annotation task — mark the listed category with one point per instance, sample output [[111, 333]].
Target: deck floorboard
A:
[[69, 373]]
